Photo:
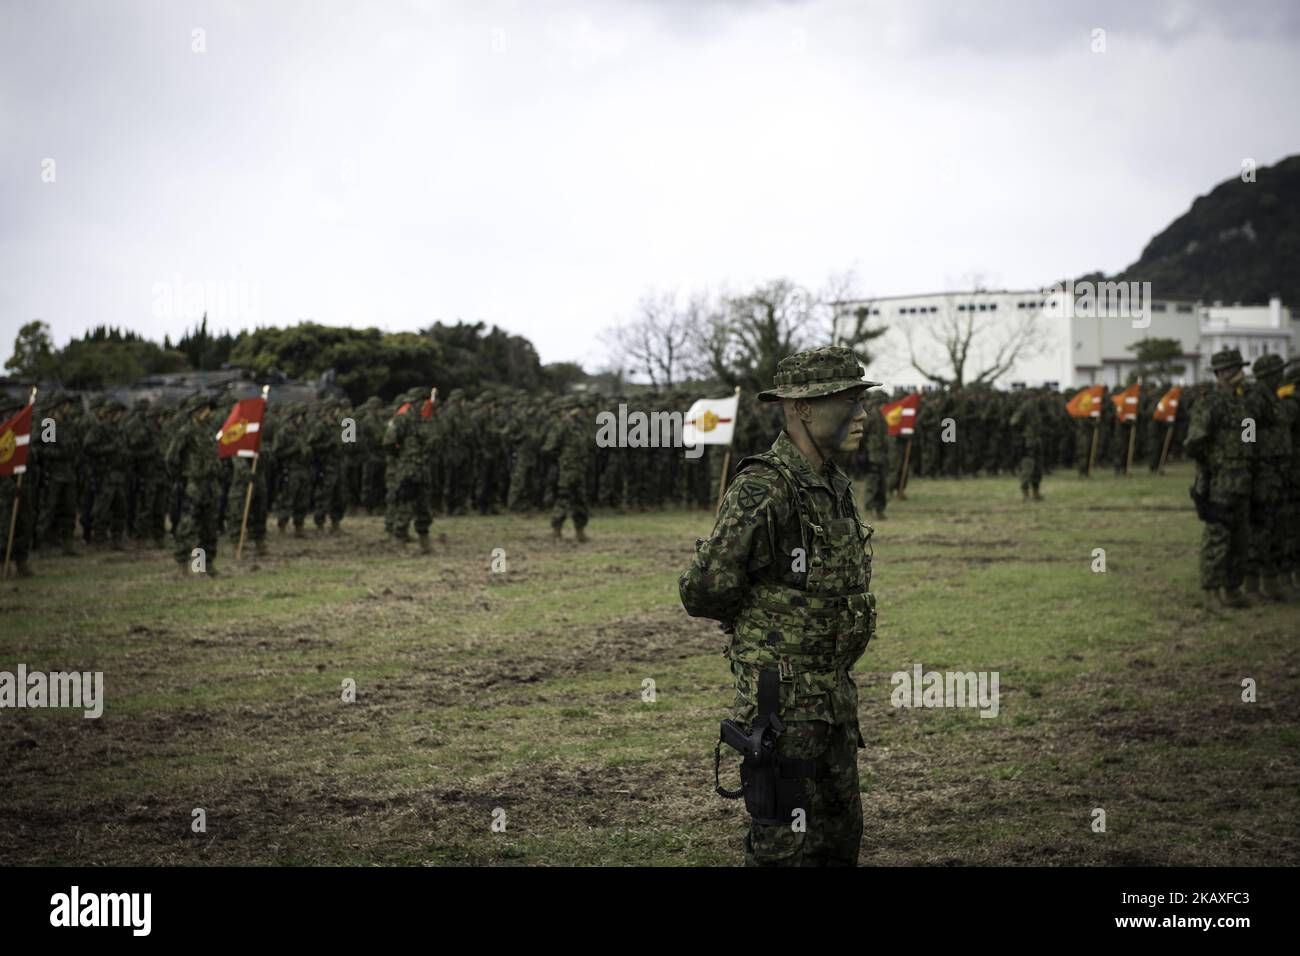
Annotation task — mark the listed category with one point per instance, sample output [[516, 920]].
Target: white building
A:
[[1077, 338]]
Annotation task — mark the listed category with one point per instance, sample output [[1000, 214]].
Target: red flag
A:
[[1126, 402], [1167, 407], [426, 410], [901, 415], [1087, 403], [241, 435], [15, 439]]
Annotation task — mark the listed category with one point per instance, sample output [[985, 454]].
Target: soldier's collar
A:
[[802, 468]]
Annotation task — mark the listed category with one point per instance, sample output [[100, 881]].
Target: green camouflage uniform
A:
[[192, 458], [293, 458], [571, 447], [1027, 420], [56, 463], [787, 570], [1290, 395], [1269, 482], [1214, 440], [408, 470], [109, 459], [329, 464], [875, 445]]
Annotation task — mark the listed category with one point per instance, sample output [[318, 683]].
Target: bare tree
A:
[[954, 348], [657, 341], [743, 337]]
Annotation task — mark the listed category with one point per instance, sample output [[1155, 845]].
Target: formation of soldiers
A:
[[148, 474], [103, 475]]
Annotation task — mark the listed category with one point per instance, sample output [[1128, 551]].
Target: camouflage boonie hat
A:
[[1267, 364], [1226, 359], [815, 373]]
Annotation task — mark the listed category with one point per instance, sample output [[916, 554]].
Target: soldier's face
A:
[[836, 421], [1231, 377]]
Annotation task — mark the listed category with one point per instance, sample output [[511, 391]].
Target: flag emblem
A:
[[234, 431], [8, 445]]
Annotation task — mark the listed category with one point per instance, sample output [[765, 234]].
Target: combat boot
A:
[[68, 548], [581, 534], [555, 532], [298, 532], [259, 546], [1024, 494], [1232, 597], [334, 526], [1037, 496], [425, 546], [880, 514], [281, 525]]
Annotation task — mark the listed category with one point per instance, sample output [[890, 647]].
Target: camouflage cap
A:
[[1225, 359], [815, 373], [1267, 364]]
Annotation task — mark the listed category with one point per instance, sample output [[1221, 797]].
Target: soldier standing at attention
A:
[[192, 458], [875, 442], [571, 446], [787, 570], [1216, 440], [1267, 559], [1028, 422]]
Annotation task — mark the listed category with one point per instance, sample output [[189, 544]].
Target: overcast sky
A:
[[541, 165]]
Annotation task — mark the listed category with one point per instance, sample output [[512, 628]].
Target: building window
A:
[[993, 306], [983, 307], [961, 308], [875, 311], [1158, 307], [1184, 308]]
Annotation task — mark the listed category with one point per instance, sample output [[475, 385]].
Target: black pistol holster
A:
[[773, 786]]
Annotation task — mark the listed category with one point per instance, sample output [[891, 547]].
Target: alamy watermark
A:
[[639, 429], [922, 688], [74, 689], [1122, 300]]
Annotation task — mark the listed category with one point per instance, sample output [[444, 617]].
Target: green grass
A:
[[522, 692]]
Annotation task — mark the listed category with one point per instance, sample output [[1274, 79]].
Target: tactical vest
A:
[[816, 632]]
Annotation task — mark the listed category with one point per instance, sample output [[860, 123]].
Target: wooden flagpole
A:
[[1164, 452], [726, 459], [1132, 441], [248, 492], [1092, 452], [13, 515], [901, 493]]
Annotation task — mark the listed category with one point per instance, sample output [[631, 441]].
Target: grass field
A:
[[523, 691]]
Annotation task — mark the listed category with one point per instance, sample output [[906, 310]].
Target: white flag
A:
[[710, 421]]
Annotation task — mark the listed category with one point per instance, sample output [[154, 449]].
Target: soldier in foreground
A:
[[787, 570], [1224, 460]]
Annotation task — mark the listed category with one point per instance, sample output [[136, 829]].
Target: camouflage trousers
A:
[[570, 502], [197, 527], [331, 493], [875, 494], [108, 515], [293, 495], [831, 834], [1269, 534], [372, 484], [150, 506], [1030, 471], [1291, 522], [1225, 545], [58, 510], [408, 502]]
